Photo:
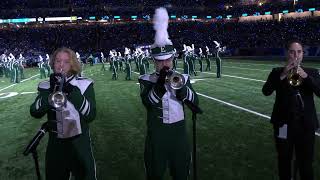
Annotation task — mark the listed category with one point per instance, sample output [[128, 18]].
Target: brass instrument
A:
[[176, 80], [57, 98], [294, 79]]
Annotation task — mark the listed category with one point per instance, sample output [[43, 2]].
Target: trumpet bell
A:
[[176, 80], [294, 79], [57, 99]]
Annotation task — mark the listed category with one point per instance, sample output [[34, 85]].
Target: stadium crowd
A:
[[97, 38]]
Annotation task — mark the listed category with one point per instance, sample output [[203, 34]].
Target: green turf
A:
[[232, 143]]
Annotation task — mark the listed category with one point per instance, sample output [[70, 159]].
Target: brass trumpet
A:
[[176, 80], [294, 79], [57, 99]]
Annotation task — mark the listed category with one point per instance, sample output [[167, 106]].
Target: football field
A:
[[234, 136]]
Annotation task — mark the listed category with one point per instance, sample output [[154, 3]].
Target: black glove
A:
[[181, 93], [67, 88], [55, 80], [163, 74], [161, 80]]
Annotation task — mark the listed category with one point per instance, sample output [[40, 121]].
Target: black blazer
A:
[[282, 110]]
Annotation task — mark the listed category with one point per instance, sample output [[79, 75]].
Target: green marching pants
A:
[[167, 146], [218, 62], [70, 155]]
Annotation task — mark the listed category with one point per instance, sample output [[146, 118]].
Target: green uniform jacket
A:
[[164, 109], [80, 103]]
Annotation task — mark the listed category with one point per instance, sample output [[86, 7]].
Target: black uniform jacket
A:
[[286, 97]]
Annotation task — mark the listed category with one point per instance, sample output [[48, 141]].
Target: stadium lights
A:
[[92, 18], [173, 16], [260, 3], [58, 19], [21, 20], [312, 9], [285, 11]]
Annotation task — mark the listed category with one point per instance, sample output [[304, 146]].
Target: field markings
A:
[[18, 83], [246, 68], [233, 105], [238, 77]]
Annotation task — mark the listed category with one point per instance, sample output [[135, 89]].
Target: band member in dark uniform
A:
[[294, 116]]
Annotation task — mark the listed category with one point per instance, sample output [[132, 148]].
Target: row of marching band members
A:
[[141, 57], [294, 116], [12, 68], [69, 103]]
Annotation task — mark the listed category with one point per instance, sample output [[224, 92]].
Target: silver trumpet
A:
[[57, 98], [175, 80]]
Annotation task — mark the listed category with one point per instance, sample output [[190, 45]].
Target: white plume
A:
[[160, 25]]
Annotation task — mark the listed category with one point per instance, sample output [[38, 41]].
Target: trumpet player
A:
[[69, 103], [166, 141], [294, 116]]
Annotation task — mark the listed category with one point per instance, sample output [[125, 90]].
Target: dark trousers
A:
[[167, 147], [302, 143], [73, 155]]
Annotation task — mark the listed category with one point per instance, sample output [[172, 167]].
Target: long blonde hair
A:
[[75, 65]]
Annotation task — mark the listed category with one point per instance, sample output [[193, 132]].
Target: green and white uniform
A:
[[69, 146], [166, 141]]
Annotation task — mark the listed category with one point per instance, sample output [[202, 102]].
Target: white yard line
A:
[[21, 81], [233, 105], [246, 68], [28, 92], [270, 65], [238, 77]]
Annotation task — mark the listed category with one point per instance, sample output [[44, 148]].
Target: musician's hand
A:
[[181, 93], [55, 79], [163, 74], [302, 73], [67, 88], [287, 69]]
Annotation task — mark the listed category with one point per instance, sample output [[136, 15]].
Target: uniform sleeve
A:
[[313, 82], [187, 92], [85, 104], [150, 95], [272, 83], [41, 105]]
